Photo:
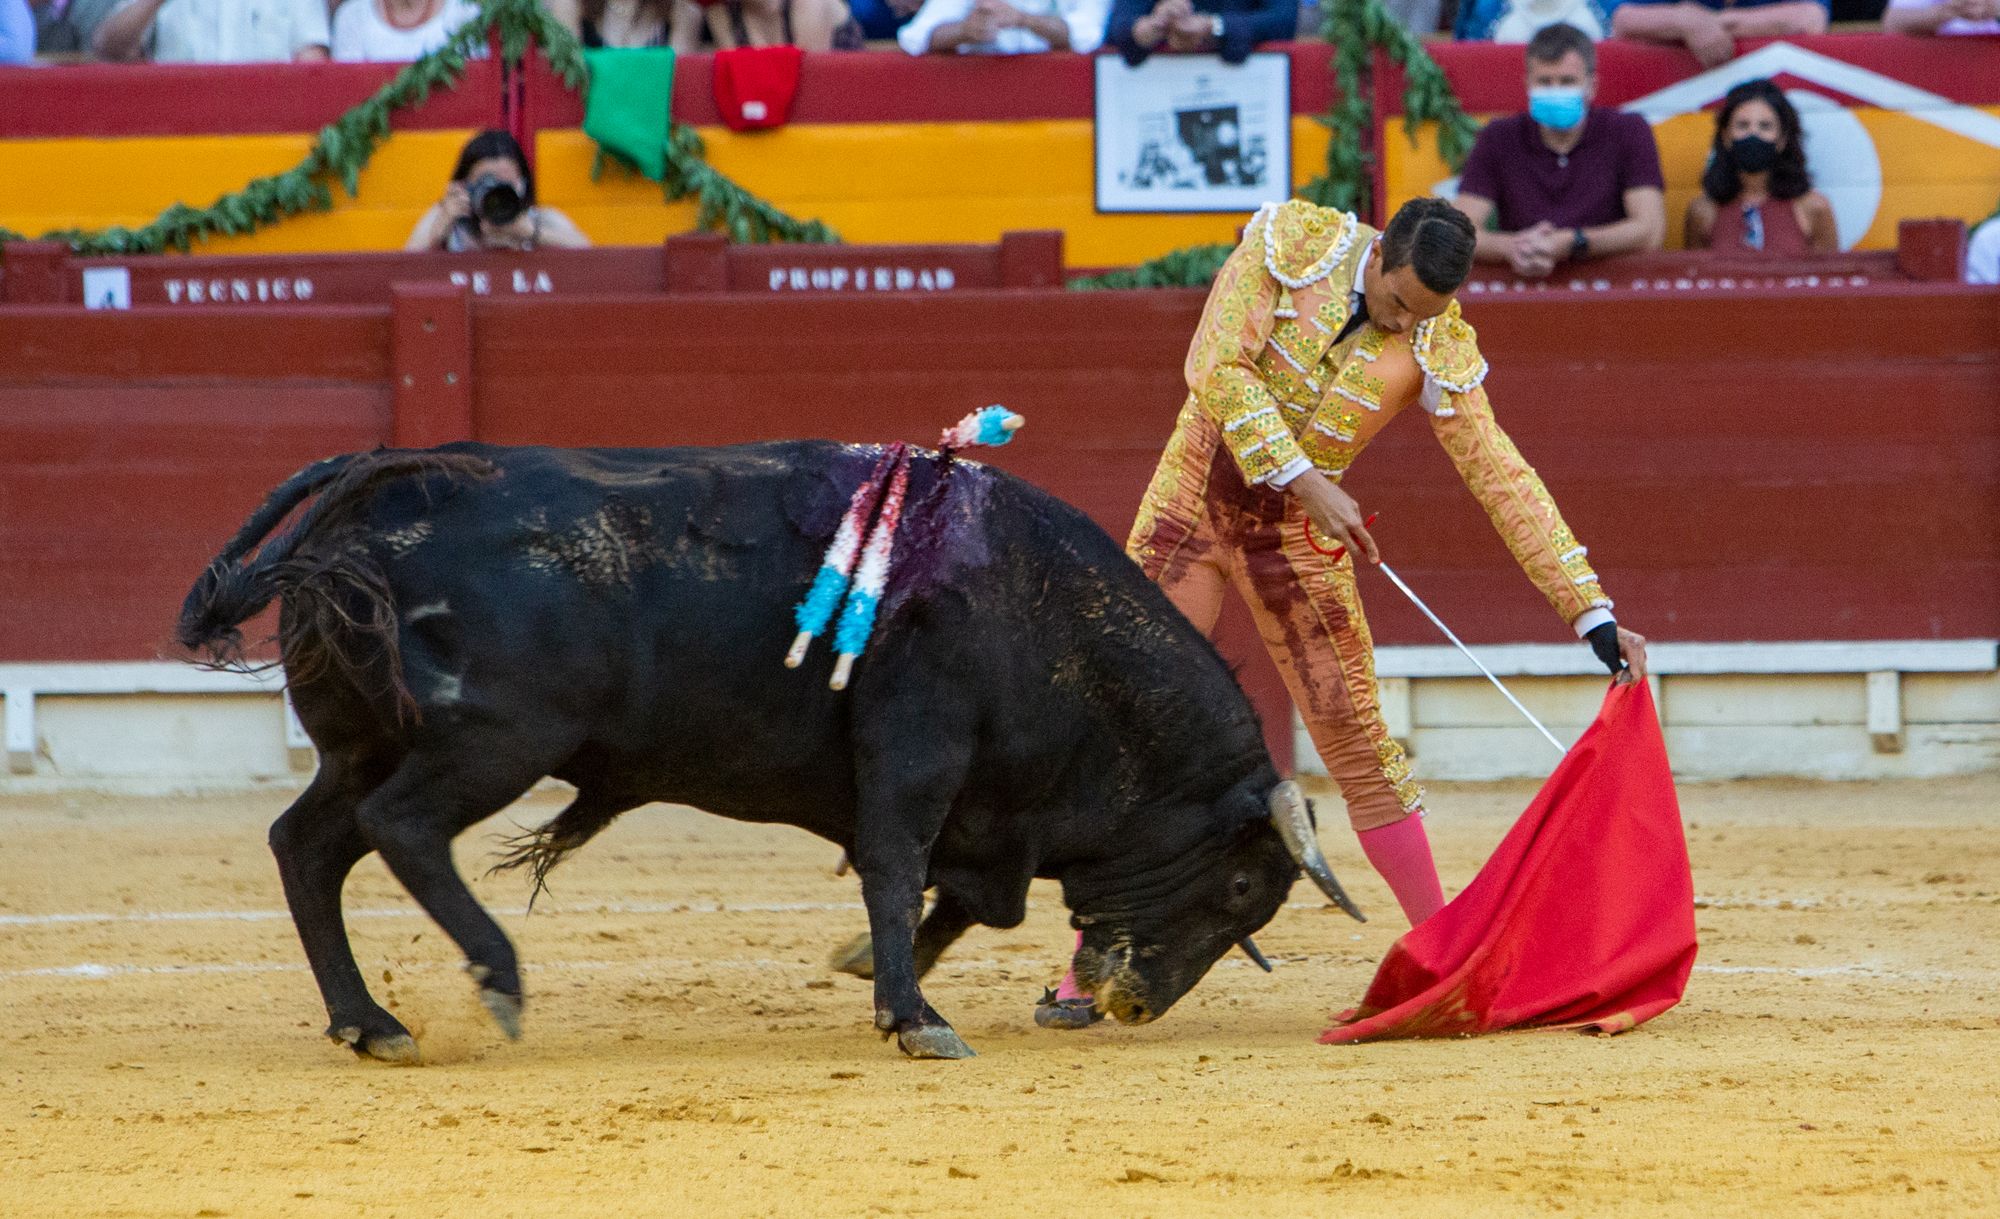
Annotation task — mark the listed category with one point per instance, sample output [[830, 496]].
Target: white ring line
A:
[[258, 916], [690, 907], [95, 970], [92, 970]]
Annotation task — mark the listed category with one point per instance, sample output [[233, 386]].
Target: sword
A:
[[1438, 622]]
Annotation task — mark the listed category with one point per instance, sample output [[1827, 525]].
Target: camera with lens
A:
[[495, 201]]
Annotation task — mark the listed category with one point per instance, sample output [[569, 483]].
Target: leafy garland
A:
[[1193, 267], [343, 147], [1354, 28]]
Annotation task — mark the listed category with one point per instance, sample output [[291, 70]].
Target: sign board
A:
[[1189, 133]]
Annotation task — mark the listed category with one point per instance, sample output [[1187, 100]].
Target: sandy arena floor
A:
[[688, 1054]]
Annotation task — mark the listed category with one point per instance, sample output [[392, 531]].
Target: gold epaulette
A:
[[1303, 243], [1447, 349]]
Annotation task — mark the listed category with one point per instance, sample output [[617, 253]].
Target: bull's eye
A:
[[1241, 885]]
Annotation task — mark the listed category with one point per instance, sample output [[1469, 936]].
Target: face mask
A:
[[1558, 106], [1753, 154]]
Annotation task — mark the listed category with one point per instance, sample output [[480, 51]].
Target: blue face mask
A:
[[1557, 106]]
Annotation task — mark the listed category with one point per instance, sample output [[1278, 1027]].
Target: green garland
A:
[[1354, 28], [724, 206], [343, 147], [1192, 267]]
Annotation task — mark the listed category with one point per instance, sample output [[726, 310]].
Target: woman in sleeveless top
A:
[[1757, 197]]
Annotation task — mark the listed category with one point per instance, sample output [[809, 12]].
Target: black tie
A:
[[1354, 319]]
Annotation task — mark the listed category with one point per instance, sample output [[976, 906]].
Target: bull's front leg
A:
[[892, 886], [891, 854]]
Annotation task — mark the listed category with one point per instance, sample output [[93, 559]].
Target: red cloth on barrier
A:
[[1583, 918], [754, 86]]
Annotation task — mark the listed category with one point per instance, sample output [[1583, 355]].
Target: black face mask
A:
[[1753, 154]]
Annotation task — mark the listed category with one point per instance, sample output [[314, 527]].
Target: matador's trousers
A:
[[1203, 529]]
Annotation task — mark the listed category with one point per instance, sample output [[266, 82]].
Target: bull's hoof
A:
[[856, 957], [396, 1047], [399, 1049], [504, 1004], [933, 1041], [1054, 1013], [506, 1011]]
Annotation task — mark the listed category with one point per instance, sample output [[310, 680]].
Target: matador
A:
[[1318, 332]]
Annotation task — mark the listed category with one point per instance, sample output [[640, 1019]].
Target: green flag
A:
[[627, 106]]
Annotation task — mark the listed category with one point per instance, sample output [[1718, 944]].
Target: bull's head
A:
[[1145, 948]]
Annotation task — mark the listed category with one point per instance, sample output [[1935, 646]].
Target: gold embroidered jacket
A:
[[1266, 378]]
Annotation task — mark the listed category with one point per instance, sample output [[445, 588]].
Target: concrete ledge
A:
[[1669, 659], [1866, 710], [1888, 709]]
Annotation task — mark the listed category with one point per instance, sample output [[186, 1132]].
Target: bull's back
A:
[[637, 603]]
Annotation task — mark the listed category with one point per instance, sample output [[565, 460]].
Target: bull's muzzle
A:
[[1288, 815]]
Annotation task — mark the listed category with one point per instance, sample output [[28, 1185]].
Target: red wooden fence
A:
[[1755, 466]]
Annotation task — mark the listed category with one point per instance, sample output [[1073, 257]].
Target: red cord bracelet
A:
[[1306, 527]]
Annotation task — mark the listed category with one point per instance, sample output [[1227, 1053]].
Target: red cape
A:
[[1583, 918]]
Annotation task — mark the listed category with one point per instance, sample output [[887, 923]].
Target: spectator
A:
[[1230, 28], [1519, 20], [811, 25], [1709, 28], [882, 18], [214, 31], [474, 215], [395, 31], [999, 27], [1566, 180], [64, 28], [1756, 195], [17, 32], [1942, 17], [1982, 252]]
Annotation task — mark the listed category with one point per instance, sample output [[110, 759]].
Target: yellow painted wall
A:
[[1926, 170], [871, 182]]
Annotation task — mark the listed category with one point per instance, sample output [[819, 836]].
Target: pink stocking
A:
[[1068, 990], [1401, 852]]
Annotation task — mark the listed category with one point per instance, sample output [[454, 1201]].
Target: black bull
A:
[[458, 623]]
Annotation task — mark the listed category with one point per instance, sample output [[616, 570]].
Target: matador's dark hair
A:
[[1435, 238]]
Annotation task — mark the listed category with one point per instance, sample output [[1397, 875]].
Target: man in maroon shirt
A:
[[1567, 180]]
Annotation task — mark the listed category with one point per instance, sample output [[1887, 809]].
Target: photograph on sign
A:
[[1189, 133]]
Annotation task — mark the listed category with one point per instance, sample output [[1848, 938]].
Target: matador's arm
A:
[[1222, 365], [1499, 477]]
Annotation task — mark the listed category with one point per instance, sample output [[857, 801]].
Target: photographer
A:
[[490, 205]]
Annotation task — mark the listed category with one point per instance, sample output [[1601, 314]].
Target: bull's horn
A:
[[1249, 947], [1288, 815]]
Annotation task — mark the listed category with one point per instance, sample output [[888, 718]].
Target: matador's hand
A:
[[1621, 651], [1334, 513]]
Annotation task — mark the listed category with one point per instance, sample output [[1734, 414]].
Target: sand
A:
[[687, 1052]]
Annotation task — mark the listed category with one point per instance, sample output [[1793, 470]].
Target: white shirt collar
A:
[[1361, 270]]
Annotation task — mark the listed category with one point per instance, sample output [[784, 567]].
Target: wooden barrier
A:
[[46, 273], [1751, 466]]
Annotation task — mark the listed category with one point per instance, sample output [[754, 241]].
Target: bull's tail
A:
[[334, 587], [543, 848]]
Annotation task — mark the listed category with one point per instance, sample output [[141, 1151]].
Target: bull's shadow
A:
[[457, 623]]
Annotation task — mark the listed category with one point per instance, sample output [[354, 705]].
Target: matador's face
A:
[[1398, 300]]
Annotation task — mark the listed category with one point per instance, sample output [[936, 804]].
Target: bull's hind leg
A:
[[948, 920], [316, 843], [411, 821]]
